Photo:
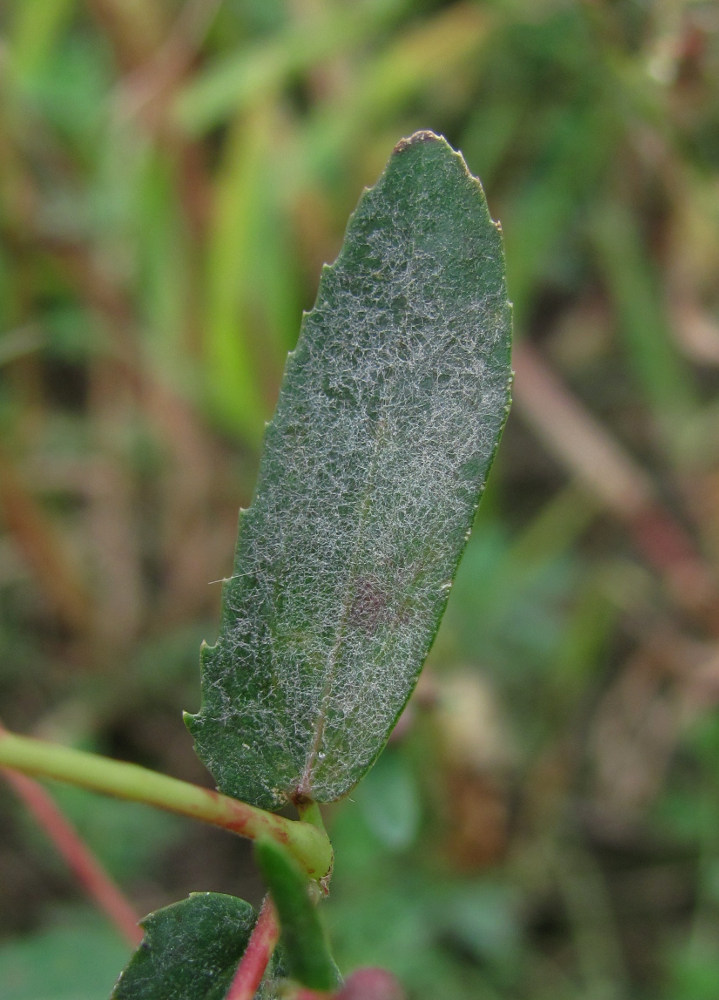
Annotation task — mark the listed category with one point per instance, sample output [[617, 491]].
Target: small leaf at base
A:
[[190, 950]]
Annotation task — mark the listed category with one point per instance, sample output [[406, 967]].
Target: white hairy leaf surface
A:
[[389, 415]]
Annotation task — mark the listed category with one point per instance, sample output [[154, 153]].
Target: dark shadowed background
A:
[[545, 822]]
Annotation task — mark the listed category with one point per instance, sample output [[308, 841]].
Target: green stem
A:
[[311, 814], [308, 844]]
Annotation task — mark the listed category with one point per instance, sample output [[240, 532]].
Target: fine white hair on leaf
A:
[[389, 415]]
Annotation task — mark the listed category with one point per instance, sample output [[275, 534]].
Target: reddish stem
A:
[[258, 953], [82, 862]]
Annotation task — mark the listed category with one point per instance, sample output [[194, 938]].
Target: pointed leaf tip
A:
[[424, 135]]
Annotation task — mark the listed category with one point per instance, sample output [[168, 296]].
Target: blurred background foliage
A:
[[545, 822]]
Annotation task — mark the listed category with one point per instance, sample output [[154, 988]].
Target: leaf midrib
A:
[[304, 786]]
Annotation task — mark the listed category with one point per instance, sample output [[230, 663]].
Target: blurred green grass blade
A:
[[407, 66], [488, 136], [387, 423], [252, 291], [36, 25], [304, 947], [232, 84], [234, 374], [636, 292], [389, 801], [190, 950], [539, 216], [164, 261]]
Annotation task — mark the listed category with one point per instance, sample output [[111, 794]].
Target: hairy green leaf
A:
[[190, 950], [387, 422], [305, 952]]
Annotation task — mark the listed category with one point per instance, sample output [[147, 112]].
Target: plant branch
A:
[[130, 781], [82, 862], [258, 953]]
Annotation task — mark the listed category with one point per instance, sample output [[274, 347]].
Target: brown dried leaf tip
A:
[[422, 136]]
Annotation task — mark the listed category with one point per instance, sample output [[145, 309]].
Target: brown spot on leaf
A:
[[370, 606]]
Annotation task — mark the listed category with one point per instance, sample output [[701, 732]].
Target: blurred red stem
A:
[[84, 865], [612, 476], [38, 541]]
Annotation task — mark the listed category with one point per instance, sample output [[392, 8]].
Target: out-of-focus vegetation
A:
[[545, 822]]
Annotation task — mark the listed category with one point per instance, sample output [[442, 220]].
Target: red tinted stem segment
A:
[[258, 953], [87, 869], [309, 845]]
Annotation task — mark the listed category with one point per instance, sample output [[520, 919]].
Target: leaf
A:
[[389, 802], [387, 422], [305, 952], [190, 950]]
